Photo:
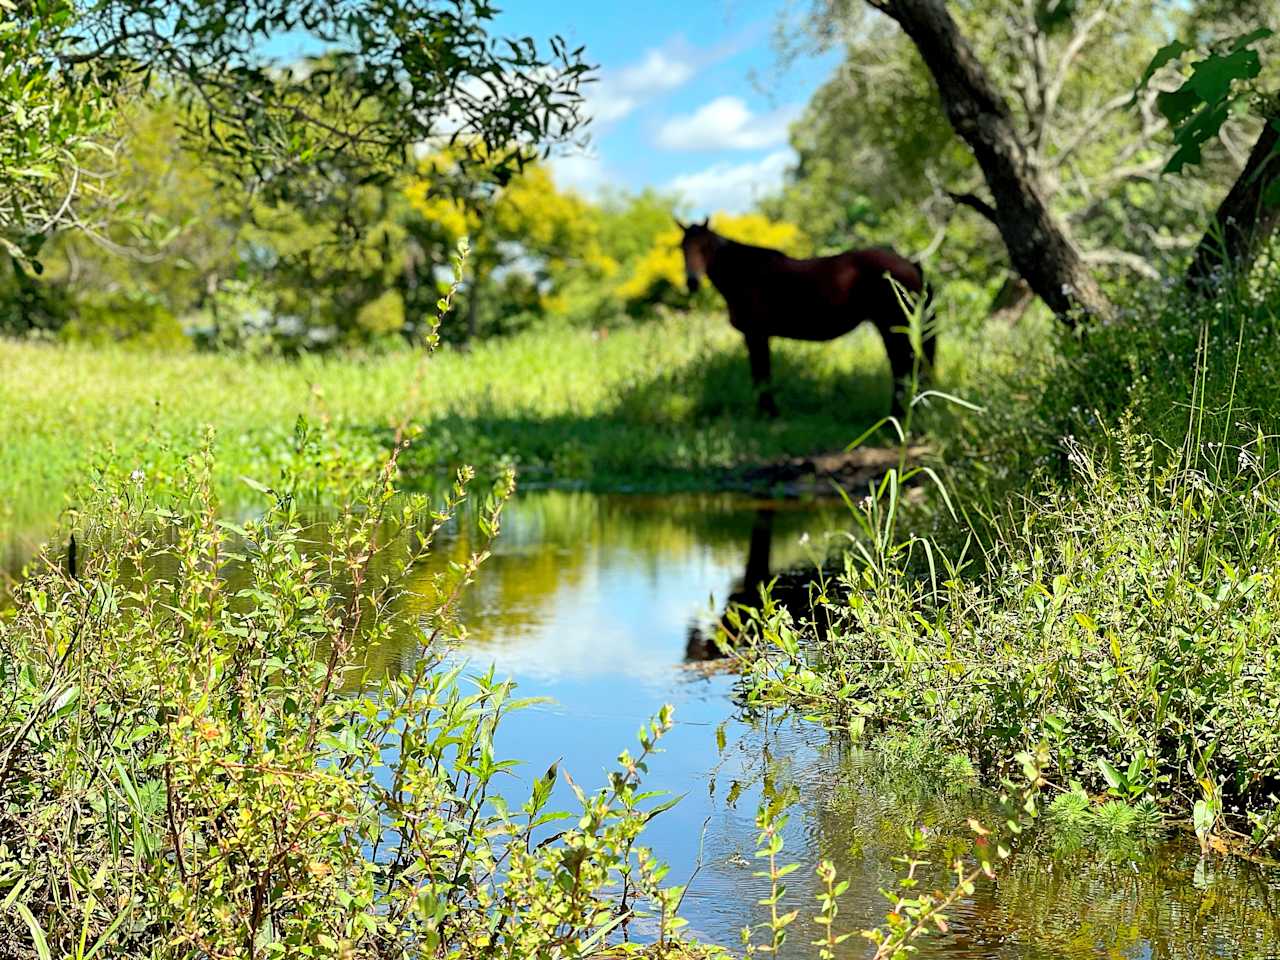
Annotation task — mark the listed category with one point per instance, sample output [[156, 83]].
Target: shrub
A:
[[182, 775], [1113, 598]]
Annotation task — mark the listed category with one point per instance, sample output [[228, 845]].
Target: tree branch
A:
[[1073, 50], [1123, 258], [975, 202]]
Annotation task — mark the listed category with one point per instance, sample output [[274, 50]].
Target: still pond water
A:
[[600, 602], [603, 603]]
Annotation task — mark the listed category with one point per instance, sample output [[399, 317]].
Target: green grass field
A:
[[660, 406]]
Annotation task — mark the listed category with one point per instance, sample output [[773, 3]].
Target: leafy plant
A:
[[913, 911], [1116, 611], [1213, 86]]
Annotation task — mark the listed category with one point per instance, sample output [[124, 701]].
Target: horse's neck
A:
[[732, 260]]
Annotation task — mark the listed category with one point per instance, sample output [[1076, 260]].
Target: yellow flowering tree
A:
[[527, 239]]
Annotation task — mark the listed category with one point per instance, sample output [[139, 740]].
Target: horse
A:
[[770, 294]]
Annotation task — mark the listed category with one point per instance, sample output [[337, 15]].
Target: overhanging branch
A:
[[975, 202]]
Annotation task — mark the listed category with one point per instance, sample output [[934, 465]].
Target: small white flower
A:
[[137, 476]]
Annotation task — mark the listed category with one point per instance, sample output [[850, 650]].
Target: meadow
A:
[[663, 405]]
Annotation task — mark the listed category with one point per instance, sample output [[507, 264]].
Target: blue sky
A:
[[679, 104], [689, 96]]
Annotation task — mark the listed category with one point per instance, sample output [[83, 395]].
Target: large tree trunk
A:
[[1038, 245], [1012, 300], [1243, 221]]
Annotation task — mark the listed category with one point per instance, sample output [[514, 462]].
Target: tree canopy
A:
[[878, 158], [386, 78]]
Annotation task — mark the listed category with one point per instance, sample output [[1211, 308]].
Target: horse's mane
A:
[[745, 251]]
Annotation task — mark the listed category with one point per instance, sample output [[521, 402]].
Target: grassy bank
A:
[[1109, 588]]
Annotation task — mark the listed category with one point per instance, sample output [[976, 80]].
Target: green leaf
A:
[[1177, 105], [1202, 816], [38, 939], [1262, 33], [1110, 773], [1166, 54], [1213, 76]]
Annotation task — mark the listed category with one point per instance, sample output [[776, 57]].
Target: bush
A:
[[1121, 606], [140, 320], [181, 775]]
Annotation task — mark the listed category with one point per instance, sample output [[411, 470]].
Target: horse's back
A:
[[844, 271], [818, 298], [875, 262]]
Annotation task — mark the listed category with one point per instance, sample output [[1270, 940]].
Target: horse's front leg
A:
[[758, 352]]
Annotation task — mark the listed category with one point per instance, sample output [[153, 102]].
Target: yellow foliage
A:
[[531, 209], [760, 231], [663, 265], [600, 263], [383, 314], [453, 219], [528, 210]]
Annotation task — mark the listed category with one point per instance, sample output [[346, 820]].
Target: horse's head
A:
[[698, 243]]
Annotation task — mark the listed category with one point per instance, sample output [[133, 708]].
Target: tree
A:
[[1072, 159], [1248, 214], [52, 122], [1038, 246], [343, 265], [395, 74], [526, 237], [878, 159], [1219, 81]]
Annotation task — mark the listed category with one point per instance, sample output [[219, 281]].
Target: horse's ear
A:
[[706, 222], [679, 223]]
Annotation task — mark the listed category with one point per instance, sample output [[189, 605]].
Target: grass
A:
[[1109, 590], [658, 406]]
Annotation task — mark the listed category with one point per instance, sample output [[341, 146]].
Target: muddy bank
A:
[[819, 474]]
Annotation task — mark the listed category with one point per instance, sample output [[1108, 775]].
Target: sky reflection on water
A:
[[590, 600]]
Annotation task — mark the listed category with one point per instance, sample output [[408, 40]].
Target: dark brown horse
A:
[[772, 295]]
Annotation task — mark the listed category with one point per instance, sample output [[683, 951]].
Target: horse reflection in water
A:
[[794, 591]]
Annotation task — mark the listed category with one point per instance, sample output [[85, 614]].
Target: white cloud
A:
[[656, 73], [726, 123], [580, 171], [732, 187], [620, 92]]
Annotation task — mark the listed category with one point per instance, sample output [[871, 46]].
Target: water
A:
[[599, 602], [603, 603]]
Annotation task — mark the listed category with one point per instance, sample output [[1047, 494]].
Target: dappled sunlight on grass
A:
[[658, 406]]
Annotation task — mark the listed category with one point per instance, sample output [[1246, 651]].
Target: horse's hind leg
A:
[[758, 352], [902, 363]]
